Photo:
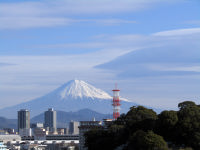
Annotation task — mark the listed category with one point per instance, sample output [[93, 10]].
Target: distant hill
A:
[[8, 123]]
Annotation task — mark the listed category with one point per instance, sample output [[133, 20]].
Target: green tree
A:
[[98, 139], [140, 118], [141, 140], [120, 134], [166, 124], [140, 113], [186, 104], [188, 127], [121, 120], [142, 129]]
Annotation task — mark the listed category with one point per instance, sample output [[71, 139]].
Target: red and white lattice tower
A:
[[116, 103]]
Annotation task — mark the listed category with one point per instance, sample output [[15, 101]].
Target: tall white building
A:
[[73, 127], [50, 120]]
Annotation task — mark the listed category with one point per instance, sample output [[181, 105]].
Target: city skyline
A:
[[100, 74], [45, 44]]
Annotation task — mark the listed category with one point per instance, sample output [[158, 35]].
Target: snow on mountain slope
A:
[[80, 89]]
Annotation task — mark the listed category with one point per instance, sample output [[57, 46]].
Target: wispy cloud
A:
[[36, 75], [32, 22], [19, 15], [35, 22], [112, 21], [166, 53], [178, 32], [69, 7], [175, 67], [129, 42], [5, 64]]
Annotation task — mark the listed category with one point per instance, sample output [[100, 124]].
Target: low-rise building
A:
[[9, 137], [39, 133], [3, 132], [37, 125], [25, 132], [61, 131], [44, 145], [62, 137], [83, 128], [9, 130]]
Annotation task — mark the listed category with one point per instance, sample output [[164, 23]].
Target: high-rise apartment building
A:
[[73, 127], [24, 123], [23, 119], [50, 120]]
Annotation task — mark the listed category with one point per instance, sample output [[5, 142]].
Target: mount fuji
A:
[[72, 96]]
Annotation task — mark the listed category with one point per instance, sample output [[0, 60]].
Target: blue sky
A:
[[47, 43], [29, 30]]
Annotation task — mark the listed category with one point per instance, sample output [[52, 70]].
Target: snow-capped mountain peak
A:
[[72, 96], [80, 89]]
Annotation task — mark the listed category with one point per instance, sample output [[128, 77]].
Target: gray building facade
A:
[[23, 119], [73, 127], [50, 120]]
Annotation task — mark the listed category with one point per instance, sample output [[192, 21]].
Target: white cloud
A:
[[26, 22], [69, 7], [37, 75], [178, 32], [34, 76], [112, 21], [167, 44], [174, 67], [129, 42], [20, 15], [35, 22]]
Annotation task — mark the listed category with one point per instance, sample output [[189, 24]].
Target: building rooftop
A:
[[50, 109], [10, 137], [23, 109]]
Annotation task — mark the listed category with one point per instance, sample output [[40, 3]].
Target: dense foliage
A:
[[142, 129]]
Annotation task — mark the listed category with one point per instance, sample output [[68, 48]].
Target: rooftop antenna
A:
[[115, 85], [94, 119]]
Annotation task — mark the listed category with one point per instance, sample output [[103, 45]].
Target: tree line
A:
[[143, 129]]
